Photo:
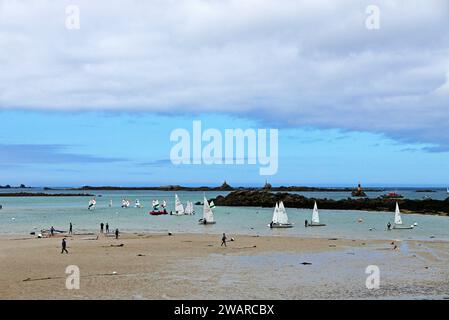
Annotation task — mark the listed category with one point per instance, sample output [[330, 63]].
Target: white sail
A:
[[276, 214], [125, 203], [110, 203], [164, 204], [315, 215], [208, 215], [397, 215], [179, 208], [92, 204], [283, 218], [189, 208], [212, 205], [447, 190]]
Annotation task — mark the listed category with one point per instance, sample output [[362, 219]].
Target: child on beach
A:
[[64, 246], [223, 240]]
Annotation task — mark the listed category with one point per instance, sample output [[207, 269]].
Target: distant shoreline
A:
[[220, 188], [41, 194]]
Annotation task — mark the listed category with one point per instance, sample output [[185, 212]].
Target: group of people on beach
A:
[[103, 226], [102, 229], [64, 240]]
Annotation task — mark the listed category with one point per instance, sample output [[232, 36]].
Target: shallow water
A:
[[339, 274], [23, 215]]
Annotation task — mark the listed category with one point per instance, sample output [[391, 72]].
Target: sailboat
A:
[[398, 220], [179, 208], [280, 218], [92, 204], [125, 203], [315, 218], [137, 204], [192, 208], [156, 211], [208, 215], [189, 208]]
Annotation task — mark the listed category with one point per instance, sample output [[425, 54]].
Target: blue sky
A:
[[104, 148], [96, 104]]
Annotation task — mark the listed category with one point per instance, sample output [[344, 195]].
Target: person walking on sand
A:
[[101, 227], [223, 240], [70, 228], [64, 246], [116, 233], [107, 228]]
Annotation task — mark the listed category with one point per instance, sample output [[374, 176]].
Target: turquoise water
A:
[[23, 215]]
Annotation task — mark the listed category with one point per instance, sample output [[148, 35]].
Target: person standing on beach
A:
[[116, 233], [306, 223], [101, 227], [70, 228], [107, 228], [223, 240], [52, 231], [64, 246]]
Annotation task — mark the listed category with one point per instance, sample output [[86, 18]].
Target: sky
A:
[[97, 104]]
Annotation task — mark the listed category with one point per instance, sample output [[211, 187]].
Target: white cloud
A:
[[288, 62]]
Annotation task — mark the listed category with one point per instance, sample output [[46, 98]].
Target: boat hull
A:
[[316, 225], [157, 213], [402, 228], [207, 222], [281, 226]]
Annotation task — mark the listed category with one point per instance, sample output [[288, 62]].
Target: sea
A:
[[23, 215]]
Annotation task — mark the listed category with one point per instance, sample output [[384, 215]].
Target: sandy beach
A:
[[195, 266]]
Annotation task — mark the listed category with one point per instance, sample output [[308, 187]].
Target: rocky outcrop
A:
[[262, 198], [225, 187]]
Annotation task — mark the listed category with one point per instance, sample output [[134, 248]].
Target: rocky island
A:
[[265, 198], [224, 187]]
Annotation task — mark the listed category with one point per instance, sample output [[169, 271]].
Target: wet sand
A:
[[195, 266]]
